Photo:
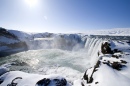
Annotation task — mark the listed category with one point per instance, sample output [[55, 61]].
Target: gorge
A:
[[48, 59]]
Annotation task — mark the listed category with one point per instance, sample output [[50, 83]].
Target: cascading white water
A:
[[90, 50], [93, 46], [63, 41]]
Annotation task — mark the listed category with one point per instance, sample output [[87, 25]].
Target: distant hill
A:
[[119, 32]]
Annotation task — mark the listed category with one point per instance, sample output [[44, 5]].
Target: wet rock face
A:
[[4, 32], [10, 43], [13, 48], [105, 48], [44, 82], [116, 51], [89, 76]]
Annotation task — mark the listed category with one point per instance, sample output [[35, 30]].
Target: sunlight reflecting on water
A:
[[33, 62]]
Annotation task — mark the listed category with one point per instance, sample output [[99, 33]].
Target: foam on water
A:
[[48, 61]]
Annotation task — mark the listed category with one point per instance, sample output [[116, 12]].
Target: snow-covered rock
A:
[[112, 67], [17, 78]]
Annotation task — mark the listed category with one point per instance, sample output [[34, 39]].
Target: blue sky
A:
[[64, 15]]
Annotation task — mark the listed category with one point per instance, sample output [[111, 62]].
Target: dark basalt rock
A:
[[44, 82], [116, 51], [19, 44], [4, 32], [96, 82], [1, 81], [115, 56], [90, 79], [105, 48], [116, 65], [82, 84], [127, 54], [123, 61], [128, 42], [12, 47], [85, 77], [106, 62], [61, 82]]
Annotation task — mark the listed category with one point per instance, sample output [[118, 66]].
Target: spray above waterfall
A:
[[72, 42], [60, 41]]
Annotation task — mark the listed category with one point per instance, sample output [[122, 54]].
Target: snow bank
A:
[[112, 32], [107, 76], [111, 69], [25, 79]]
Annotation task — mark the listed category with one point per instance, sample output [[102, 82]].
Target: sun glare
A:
[[31, 3]]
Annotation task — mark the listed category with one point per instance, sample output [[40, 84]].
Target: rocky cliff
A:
[[10, 43]]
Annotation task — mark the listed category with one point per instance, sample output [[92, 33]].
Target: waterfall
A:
[[93, 46], [70, 42], [61, 41]]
